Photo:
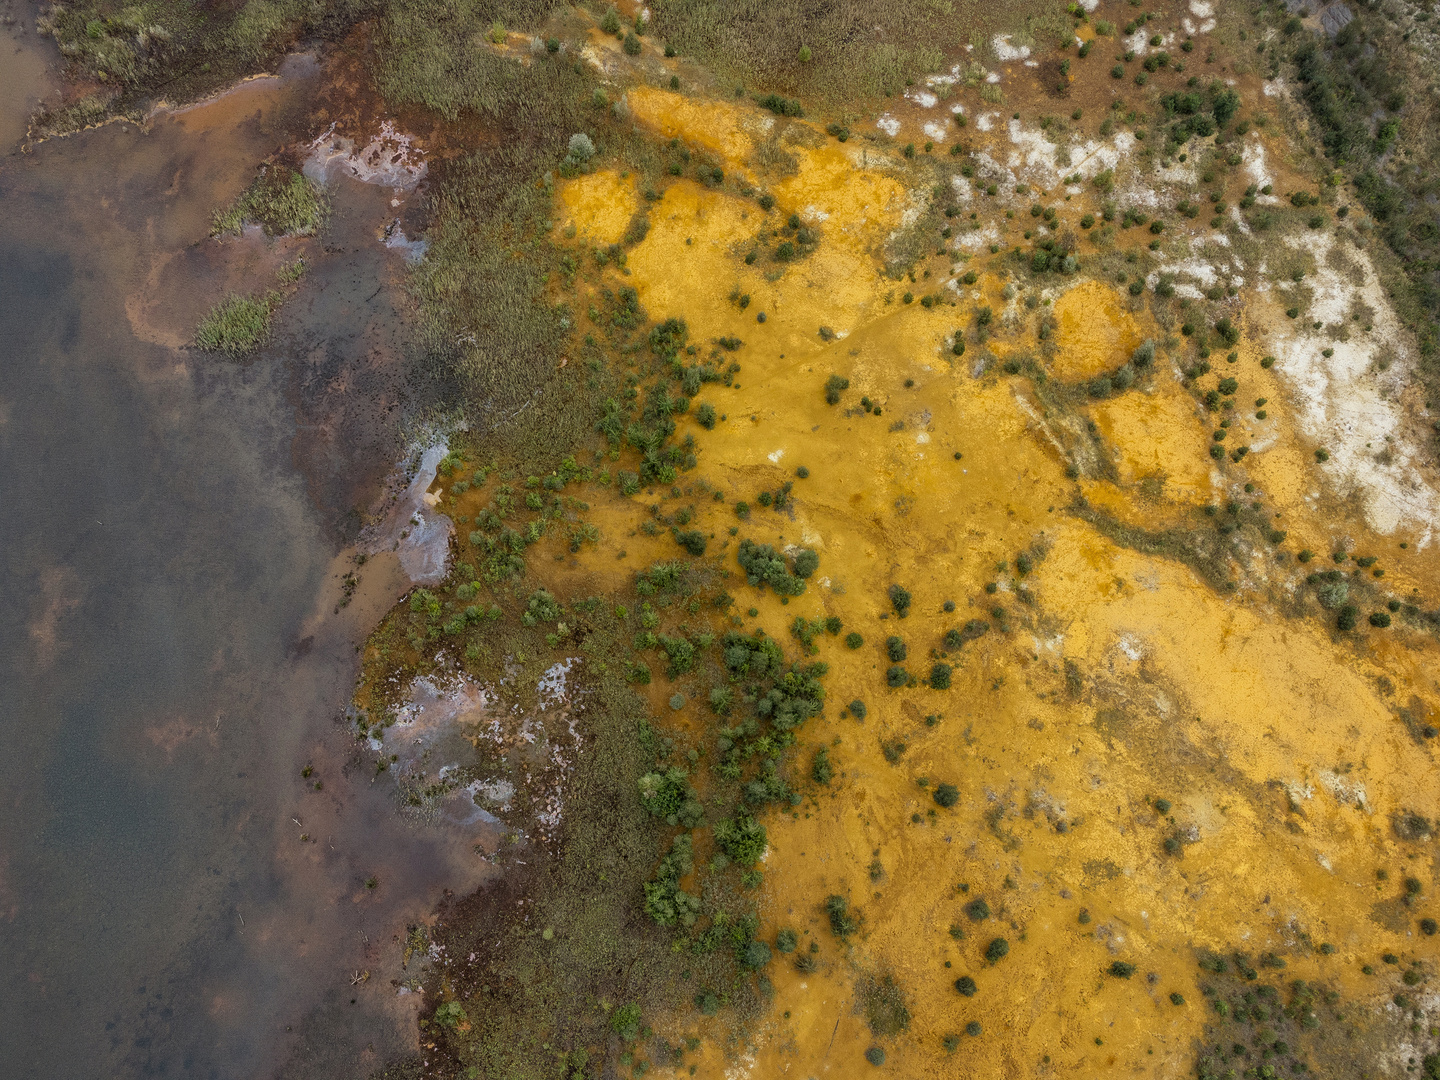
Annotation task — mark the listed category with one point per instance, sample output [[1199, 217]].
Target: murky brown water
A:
[[171, 554]]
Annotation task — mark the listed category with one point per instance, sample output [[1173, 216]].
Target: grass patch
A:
[[176, 50], [238, 325], [883, 1000], [850, 51], [280, 200]]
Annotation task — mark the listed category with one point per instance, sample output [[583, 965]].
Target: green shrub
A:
[[997, 950], [806, 562], [896, 676], [966, 985], [1121, 970], [821, 771], [706, 416], [632, 44], [947, 795], [668, 795], [1349, 615], [900, 599], [780, 106], [875, 1055], [977, 910], [857, 709], [742, 838], [763, 565], [973, 1029], [625, 1022], [754, 955], [940, 676], [842, 922], [853, 640], [895, 648], [1380, 619], [692, 540], [833, 385], [450, 1015]]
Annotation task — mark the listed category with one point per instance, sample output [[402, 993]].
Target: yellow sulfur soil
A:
[[1093, 333], [599, 207], [1275, 740]]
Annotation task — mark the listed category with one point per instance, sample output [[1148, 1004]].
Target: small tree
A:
[[625, 1022]]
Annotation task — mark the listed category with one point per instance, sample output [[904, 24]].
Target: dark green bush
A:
[[897, 676], [875, 1055], [947, 795], [780, 106], [940, 675], [692, 540], [763, 565], [857, 709], [754, 955], [853, 640], [977, 910], [821, 771], [966, 985], [786, 941], [742, 838], [895, 648], [901, 601], [1121, 970], [973, 1029], [997, 950]]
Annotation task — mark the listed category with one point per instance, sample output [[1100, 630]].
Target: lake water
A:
[[171, 542]]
